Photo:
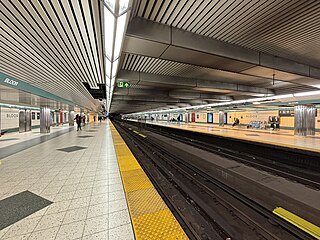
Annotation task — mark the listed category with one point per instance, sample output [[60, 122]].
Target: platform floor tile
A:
[[145, 201], [159, 225], [135, 180], [84, 186]]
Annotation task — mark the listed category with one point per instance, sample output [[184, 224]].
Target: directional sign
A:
[[122, 84]]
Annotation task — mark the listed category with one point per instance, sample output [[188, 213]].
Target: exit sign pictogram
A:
[[122, 84]]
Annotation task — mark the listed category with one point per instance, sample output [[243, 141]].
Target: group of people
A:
[[82, 119], [99, 118]]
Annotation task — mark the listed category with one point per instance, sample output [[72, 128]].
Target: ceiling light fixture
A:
[[303, 94]]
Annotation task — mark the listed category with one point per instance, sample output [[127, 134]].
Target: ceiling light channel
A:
[[116, 14]]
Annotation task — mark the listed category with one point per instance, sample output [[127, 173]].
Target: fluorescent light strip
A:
[[312, 93], [303, 94]]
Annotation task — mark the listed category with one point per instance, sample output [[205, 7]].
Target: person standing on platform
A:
[[84, 120], [94, 118], [78, 121]]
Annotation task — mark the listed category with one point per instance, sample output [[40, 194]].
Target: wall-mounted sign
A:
[[12, 115], [11, 82], [122, 84], [286, 113], [210, 117]]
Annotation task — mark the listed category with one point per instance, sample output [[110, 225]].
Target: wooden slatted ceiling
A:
[[288, 29], [53, 45]]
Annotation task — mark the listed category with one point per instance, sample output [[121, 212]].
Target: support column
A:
[[221, 118], [45, 119], [71, 118], [304, 120]]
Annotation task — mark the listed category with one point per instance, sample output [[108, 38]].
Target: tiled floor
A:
[[15, 137], [84, 185]]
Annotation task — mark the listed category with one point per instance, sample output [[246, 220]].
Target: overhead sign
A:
[[122, 84], [12, 82]]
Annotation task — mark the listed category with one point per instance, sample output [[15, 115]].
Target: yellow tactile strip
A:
[[298, 222], [151, 217]]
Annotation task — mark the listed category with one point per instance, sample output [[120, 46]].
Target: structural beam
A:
[[147, 99], [150, 94], [145, 37], [148, 78]]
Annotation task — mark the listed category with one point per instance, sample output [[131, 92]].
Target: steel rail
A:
[[289, 172], [190, 171]]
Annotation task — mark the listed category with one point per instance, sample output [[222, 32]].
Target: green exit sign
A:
[[122, 84]]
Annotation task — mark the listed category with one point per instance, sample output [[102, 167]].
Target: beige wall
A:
[[201, 117], [91, 117], [246, 117]]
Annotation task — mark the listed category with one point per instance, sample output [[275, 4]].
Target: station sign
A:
[[11, 82], [286, 113], [122, 84]]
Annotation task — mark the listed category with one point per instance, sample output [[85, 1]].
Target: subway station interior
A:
[[159, 119]]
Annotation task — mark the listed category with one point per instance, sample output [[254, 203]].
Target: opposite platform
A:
[[288, 141]]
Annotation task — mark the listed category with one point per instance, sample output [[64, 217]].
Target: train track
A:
[[205, 207], [292, 173]]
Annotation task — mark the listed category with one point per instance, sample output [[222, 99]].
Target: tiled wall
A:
[[201, 117], [10, 118]]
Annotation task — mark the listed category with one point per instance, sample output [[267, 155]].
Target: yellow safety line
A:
[[151, 218], [144, 136], [140, 134], [298, 222]]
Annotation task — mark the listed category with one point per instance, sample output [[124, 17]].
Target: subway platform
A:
[[81, 185], [68, 187], [283, 138]]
